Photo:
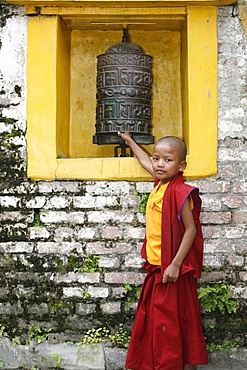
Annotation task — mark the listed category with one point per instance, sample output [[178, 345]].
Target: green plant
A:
[[94, 336], [91, 264], [2, 331], [120, 338], [225, 346], [86, 294], [1, 363], [102, 335], [132, 293], [37, 221], [217, 296], [143, 201], [40, 335], [58, 359]]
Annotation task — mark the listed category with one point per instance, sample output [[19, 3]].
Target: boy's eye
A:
[[168, 160]]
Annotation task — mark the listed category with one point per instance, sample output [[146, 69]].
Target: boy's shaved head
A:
[[175, 143]]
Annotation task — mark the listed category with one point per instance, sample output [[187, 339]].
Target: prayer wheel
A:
[[124, 92]]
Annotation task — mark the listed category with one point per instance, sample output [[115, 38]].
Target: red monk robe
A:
[[167, 331]]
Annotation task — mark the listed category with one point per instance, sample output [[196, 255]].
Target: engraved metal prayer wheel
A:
[[124, 91]]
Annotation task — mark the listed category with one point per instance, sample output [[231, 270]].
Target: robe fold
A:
[[167, 331]]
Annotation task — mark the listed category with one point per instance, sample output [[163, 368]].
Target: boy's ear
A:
[[182, 166]]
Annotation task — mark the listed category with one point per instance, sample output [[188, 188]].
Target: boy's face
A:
[[166, 162]]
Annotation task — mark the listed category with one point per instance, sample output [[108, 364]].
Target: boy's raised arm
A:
[[141, 156]]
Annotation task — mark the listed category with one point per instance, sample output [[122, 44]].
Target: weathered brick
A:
[[226, 154], [57, 217], [211, 186], [111, 308], [38, 309], [130, 201], [239, 292], [85, 308], [16, 216], [240, 186], [98, 292], [243, 276], [229, 171], [211, 202], [144, 187], [124, 277], [216, 277], [215, 217], [134, 233], [215, 261], [109, 262], [239, 216], [115, 188], [38, 233], [118, 292], [235, 261], [17, 247], [219, 246], [234, 232], [93, 202], [241, 246], [86, 277], [133, 260], [63, 233], [36, 202], [10, 309], [9, 202], [101, 248], [73, 292], [59, 187], [109, 216], [111, 232], [87, 233], [58, 247], [58, 202], [233, 201], [213, 231]]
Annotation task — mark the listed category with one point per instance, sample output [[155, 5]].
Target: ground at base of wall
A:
[[68, 356]]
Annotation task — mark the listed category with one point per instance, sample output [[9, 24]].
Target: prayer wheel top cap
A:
[[125, 47]]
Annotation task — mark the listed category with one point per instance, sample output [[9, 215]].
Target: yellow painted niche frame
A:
[[48, 126]]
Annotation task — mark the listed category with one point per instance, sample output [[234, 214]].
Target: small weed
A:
[[102, 335], [143, 202], [91, 264], [120, 338], [37, 221], [40, 335], [2, 331], [225, 346], [58, 359], [1, 363], [217, 296], [94, 336], [132, 294], [86, 294]]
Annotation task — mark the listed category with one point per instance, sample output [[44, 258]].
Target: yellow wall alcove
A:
[[64, 39]]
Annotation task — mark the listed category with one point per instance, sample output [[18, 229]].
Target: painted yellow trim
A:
[[242, 6], [48, 77], [128, 3], [48, 103], [200, 90]]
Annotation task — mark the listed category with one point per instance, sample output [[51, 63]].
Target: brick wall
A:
[[48, 229]]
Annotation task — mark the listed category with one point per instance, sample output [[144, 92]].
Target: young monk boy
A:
[[167, 332]]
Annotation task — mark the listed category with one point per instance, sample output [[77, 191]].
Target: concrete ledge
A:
[[66, 356]]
